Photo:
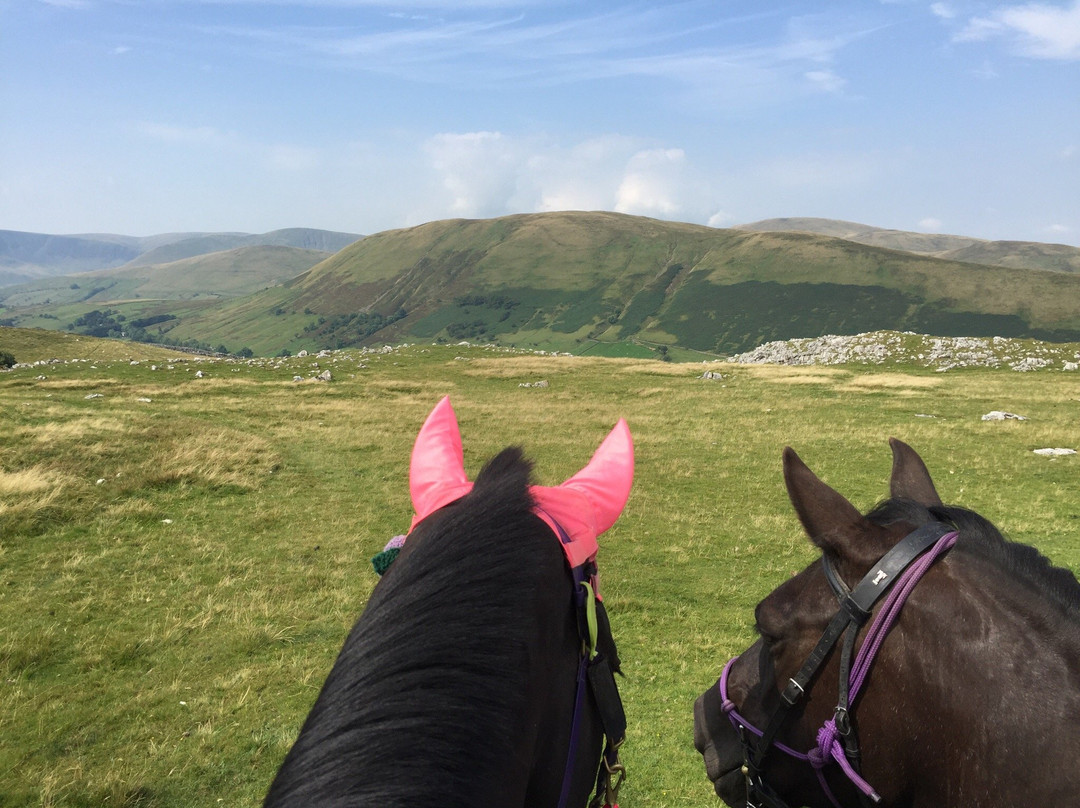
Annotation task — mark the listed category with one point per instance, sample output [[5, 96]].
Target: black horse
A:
[[964, 689], [462, 682]]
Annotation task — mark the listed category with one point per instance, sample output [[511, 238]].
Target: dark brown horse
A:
[[967, 692], [481, 671]]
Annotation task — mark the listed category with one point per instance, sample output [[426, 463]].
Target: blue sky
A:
[[149, 116]]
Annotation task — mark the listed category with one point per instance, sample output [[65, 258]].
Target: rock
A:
[[144, 400], [94, 395], [998, 415], [711, 374], [1054, 452], [542, 383], [1071, 366], [302, 353], [199, 374], [324, 376]]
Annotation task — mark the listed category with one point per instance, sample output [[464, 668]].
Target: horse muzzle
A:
[[719, 744]]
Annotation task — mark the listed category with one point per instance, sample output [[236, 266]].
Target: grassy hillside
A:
[[230, 273], [298, 237], [179, 573], [1014, 254], [25, 257], [570, 281], [606, 283], [35, 344]]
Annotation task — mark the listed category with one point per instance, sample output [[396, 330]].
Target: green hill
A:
[[229, 273], [1014, 254], [26, 257], [37, 345], [614, 284], [585, 281]]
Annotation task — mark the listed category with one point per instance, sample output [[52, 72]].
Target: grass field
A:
[[181, 557]]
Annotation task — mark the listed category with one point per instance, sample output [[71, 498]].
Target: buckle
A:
[[792, 693]]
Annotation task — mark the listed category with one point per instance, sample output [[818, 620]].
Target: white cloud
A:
[[480, 170], [826, 80], [930, 223], [1035, 29], [653, 183], [720, 219], [480, 174], [1057, 230], [943, 10]]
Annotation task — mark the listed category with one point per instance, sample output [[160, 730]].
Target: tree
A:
[[6, 360]]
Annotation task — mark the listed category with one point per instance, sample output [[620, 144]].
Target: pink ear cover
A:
[[437, 468], [589, 502], [584, 506]]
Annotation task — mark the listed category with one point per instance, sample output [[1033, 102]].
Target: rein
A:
[[594, 675], [899, 570]]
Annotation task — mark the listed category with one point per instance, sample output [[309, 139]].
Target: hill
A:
[[1014, 254], [26, 257], [38, 345], [229, 273], [592, 282], [297, 237], [611, 284]]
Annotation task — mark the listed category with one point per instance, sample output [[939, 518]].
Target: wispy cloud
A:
[[279, 156], [943, 10], [499, 48], [1034, 29]]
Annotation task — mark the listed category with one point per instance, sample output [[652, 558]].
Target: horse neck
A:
[[444, 689], [990, 693]]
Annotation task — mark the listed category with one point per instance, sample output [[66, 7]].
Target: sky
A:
[[150, 116]]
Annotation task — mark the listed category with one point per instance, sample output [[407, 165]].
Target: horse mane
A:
[[978, 536], [422, 701]]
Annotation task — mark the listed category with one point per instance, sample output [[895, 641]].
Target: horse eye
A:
[[769, 640]]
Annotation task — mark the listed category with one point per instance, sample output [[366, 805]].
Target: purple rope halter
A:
[[829, 748]]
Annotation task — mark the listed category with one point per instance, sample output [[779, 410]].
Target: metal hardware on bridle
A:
[[595, 675], [903, 566]]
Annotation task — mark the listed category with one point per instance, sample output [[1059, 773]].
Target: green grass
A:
[[178, 575]]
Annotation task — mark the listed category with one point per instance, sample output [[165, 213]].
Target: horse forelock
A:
[[1021, 563]]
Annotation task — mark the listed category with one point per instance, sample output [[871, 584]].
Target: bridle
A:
[[594, 675], [899, 570]]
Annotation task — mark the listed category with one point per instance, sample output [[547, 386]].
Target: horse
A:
[[481, 671], [965, 687]]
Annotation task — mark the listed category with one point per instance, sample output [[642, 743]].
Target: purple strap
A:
[[829, 749], [575, 731]]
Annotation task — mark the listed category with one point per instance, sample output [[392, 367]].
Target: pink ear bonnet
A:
[[584, 506]]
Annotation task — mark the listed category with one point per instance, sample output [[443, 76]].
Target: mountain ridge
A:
[[608, 283], [26, 256], [1007, 253]]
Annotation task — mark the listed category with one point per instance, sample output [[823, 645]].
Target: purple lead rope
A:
[[829, 748]]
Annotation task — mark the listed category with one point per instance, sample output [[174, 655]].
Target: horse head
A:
[[481, 671], [799, 719]]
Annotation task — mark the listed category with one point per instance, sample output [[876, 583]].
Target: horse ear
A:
[[437, 469], [607, 478], [829, 519], [910, 477]]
